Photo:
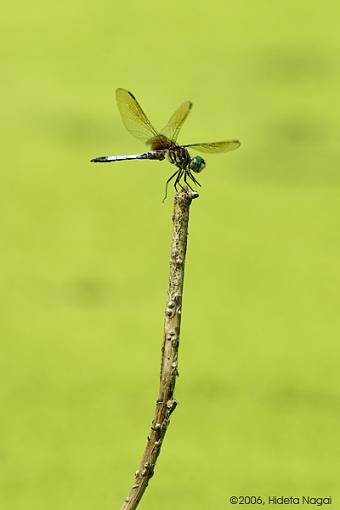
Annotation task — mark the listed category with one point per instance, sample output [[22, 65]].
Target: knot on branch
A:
[[171, 406], [171, 336], [147, 470], [178, 261], [173, 307]]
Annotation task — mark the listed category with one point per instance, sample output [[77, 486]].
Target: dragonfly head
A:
[[197, 164]]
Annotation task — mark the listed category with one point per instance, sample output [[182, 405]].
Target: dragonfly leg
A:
[[186, 174], [193, 178], [180, 173], [167, 182]]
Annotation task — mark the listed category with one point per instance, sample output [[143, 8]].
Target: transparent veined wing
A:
[[133, 117], [175, 123], [213, 147]]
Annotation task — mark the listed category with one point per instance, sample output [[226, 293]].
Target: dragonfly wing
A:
[[133, 117], [175, 123], [214, 147]]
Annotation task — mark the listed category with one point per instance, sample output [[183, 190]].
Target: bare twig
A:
[[166, 403]]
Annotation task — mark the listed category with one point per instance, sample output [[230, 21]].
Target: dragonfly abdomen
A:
[[159, 155], [179, 156]]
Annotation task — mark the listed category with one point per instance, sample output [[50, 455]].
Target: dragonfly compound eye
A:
[[197, 164]]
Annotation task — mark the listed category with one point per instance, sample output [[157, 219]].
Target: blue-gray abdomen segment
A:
[[159, 155], [108, 159]]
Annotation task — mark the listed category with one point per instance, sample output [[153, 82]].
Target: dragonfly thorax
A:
[[179, 156]]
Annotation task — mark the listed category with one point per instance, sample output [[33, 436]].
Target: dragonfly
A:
[[163, 144]]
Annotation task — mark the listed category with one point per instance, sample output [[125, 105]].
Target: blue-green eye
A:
[[197, 164]]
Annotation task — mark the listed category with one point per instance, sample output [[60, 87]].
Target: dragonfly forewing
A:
[[133, 117]]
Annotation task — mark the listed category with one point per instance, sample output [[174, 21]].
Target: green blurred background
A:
[[84, 253]]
